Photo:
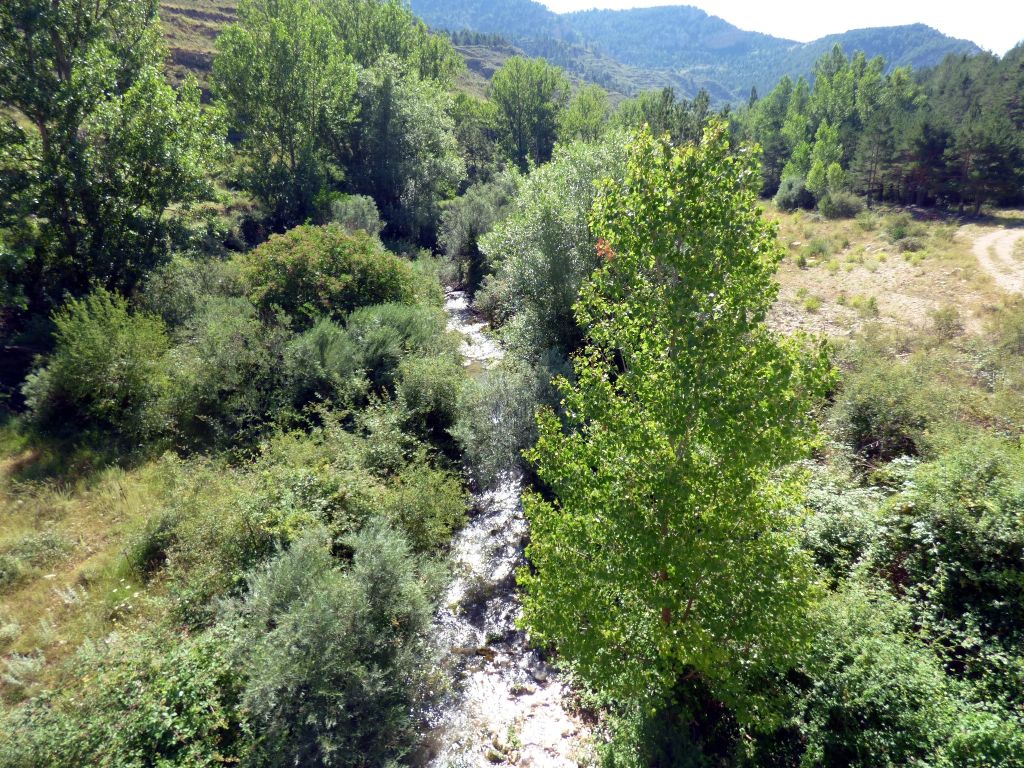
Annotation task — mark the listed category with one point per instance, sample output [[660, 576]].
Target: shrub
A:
[[387, 333], [427, 505], [148, 699], [227, 379], [843, 521], [947, 323], [30, 553], [840, 205], [428, 388], [497, 419], [820, 247], [312, 272], [956, 536], [355, 213], [106, 371], [178, 289], [467, 218], [336, 659], [881, 411], [793, 194], [324, 363], [875, 698]]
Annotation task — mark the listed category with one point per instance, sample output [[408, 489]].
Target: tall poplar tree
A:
[[666, 550]]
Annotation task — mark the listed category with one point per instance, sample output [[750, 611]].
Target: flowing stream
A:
[[506, 705]]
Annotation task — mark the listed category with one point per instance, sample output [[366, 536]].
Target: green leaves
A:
[[529, 93], [667, 549]]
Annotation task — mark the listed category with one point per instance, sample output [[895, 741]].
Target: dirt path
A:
[[994, 251]]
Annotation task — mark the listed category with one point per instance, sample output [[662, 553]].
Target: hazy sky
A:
[[997, 25]]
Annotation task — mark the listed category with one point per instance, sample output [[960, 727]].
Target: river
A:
[[506, 705]]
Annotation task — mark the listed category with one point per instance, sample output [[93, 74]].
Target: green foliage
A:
[[355, 212], [153, 699], [530, 94], [586, 115], [404, 151], [427, 505], [312, 272], [662, 112], [843, 521], [955, 537], [877, 699], [387, 333], [544, 250], [335, 659], [97, 145], [177, 290], [497, 417], [30, 553], [289, 90], [667, 475], [324, 363], [106, 371], [428, 388], [793, 194], [226, 378], [840, 205], [882, 410], [471, 216]]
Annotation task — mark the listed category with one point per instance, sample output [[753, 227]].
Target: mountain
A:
[[623, 51], [684, 43]]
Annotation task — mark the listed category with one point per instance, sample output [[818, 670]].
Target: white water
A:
[[506, 705]]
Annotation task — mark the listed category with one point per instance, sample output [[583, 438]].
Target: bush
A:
[[355, 213], [467, 218], [947, 323], [336, 660], [875, 698], [387, 333], [427, 505], [148, 699], [882, 411], [840, 205], [324, 363], [178, 289], [311, 272], [106, 371], [793, 194], [428, 388], [30, 553], [227, 379], [955, 536], [497, 419], [843, 522]]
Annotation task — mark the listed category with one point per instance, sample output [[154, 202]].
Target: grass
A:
[[909, 267], [63, 527]]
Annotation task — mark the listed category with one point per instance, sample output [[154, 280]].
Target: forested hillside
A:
[[685, 42], [362, 408]]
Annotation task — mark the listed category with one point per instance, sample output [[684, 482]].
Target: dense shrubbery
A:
[[793, 194], [106, 371], [312, 272], [335, 659]]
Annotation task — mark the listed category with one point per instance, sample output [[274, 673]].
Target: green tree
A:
[[586, 115], [96, 144], [667, 548], [544, 249], [825, 173], [405, 154], [289, 90], [529, 93]]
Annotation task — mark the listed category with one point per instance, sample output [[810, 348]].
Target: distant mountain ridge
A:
[[680, 42]]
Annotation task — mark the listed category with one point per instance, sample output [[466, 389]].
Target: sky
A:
[[996, 25]]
